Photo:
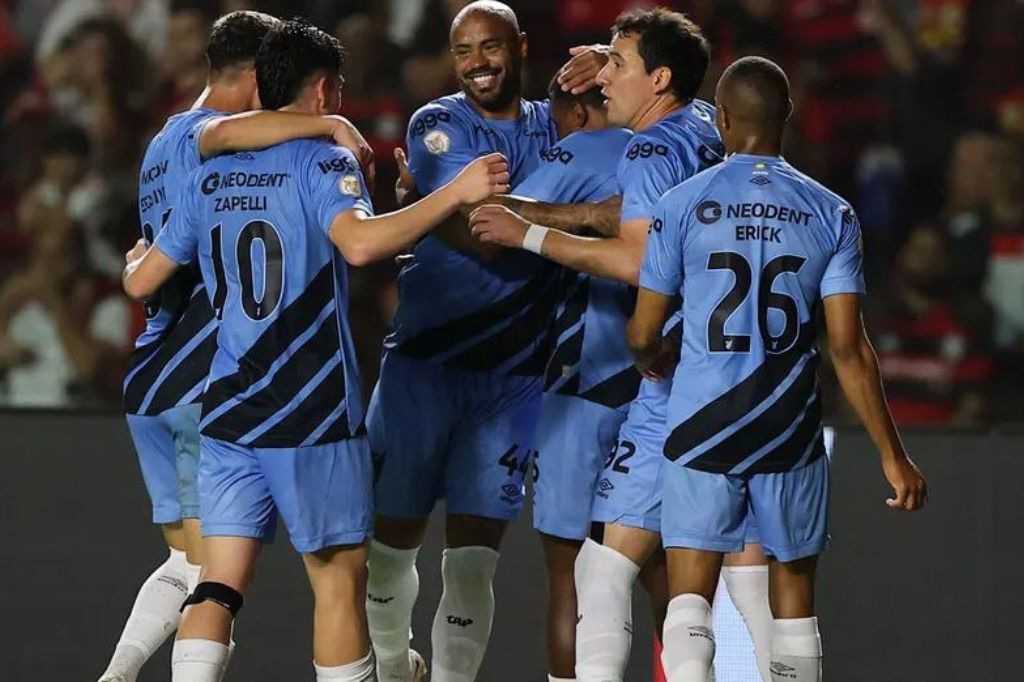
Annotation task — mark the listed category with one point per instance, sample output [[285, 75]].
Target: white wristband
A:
[[534, 238]]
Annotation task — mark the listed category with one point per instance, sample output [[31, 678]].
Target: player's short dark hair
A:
[[235, 38], [767, 87], [291, 54], [669, 39], [592, 98]]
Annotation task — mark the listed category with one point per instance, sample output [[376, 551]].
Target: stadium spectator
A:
[[932, 342], [63, 329]]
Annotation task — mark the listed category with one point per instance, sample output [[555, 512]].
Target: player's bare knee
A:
[[174, 535], [465, 530]]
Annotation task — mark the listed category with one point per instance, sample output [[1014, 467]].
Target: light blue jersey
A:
[[284, 374], [454, 309], [591, 359], [671, 151], [590, 377], [757, 245], [172, 356]]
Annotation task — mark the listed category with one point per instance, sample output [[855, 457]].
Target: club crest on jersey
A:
[[349, 184], [437, 142]]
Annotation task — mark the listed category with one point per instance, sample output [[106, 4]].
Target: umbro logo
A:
[[379, 600], [701, 631], [760, 180], [510, 490], [461, 622], [606, 485], [783, 671]]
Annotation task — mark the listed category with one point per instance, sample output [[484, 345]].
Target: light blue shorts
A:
[[440, 432], [324, 493], [629, 489], [712, 511], [574, 437], [168, 448], [629, 492]]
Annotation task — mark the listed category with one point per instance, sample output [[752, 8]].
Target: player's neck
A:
[[657, 109], [509, 113], [755, 145], [222, 98]]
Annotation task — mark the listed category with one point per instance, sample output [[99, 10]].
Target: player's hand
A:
[[579, 74], [494, 224], [663, 365], [136, 252], [405, 185], [346, 135], [484, 177], [907, 483]]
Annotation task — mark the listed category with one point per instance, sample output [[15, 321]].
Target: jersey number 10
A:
[[273, 269], [718, 340]]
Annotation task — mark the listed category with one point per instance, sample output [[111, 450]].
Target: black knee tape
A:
[[219, 593]]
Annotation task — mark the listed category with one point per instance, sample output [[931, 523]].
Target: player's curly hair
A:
[[236, 37], [669, 39], [291, 54]]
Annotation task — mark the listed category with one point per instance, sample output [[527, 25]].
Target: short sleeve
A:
[[190, 140], [336, 184], [844, 273], [439, 147], [178, 239], [648, 169], [662, 268]]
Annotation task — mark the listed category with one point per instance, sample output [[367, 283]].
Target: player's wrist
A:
[[533, 238]]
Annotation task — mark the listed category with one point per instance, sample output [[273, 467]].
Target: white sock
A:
[[796, 650], [748, 589], [689, 640], [462, 624], [363, 670], [604, 627], [391, 592], [198, 660], [552, 678], [154, 616], [192, 572]]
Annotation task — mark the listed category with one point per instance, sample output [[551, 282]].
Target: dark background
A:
[[908, 598]]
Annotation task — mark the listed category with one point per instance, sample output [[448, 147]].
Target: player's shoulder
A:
[[829, 201], [448, 111], [320, 160], [536, 109], [605, 141], [695, 188]]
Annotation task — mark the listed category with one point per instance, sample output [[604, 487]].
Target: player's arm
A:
[[856, 364], [364, 239], [145, 271], [617, 258], [262, 129], [653, 353], [600, 216], [856, 367], [661, 278]]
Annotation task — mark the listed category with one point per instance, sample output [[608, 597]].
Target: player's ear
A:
[[661, 79], [524, 44], [721, 117], [580, 113], [789, 109], [321, 85]]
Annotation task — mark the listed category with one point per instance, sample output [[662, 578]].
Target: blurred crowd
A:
[[912, 109]]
